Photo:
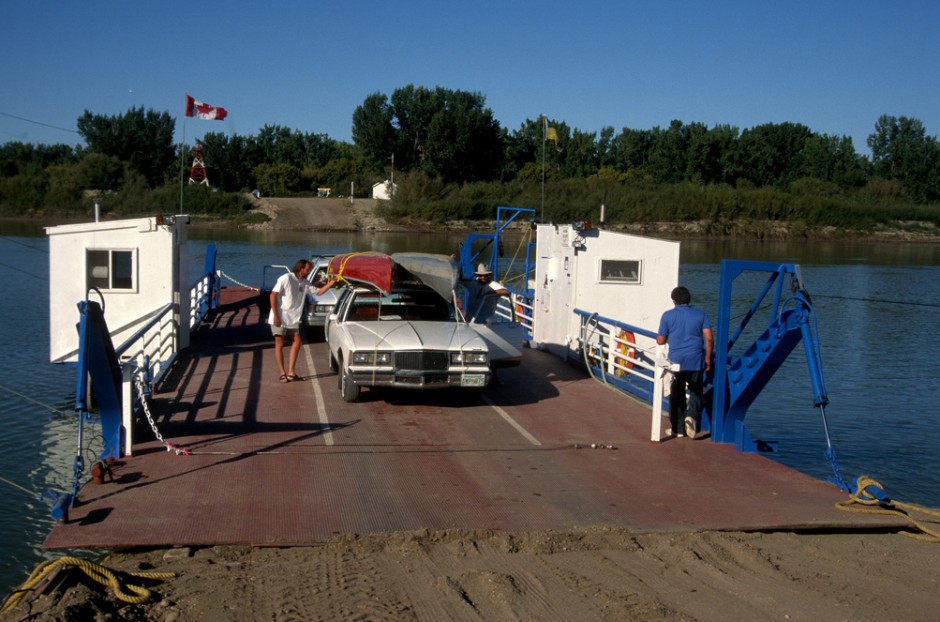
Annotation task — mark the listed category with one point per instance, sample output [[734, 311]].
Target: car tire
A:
[[347, 388]]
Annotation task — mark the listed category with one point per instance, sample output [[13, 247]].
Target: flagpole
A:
[[183, 142], [544, 138]]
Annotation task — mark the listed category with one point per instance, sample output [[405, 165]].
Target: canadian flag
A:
[[202, 110]]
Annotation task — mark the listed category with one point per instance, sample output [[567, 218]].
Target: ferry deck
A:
[[274, 464]]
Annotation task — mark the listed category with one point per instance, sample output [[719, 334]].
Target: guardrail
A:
[[203, 296], [627, 358], [153, 348], [518, 307]]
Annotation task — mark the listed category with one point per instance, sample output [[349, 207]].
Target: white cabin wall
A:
[[568, 277], [553, 289], [156, 282]]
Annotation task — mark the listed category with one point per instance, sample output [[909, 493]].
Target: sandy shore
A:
[[584, 575]]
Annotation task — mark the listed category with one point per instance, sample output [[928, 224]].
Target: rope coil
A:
[[133, 594], [871, 496]]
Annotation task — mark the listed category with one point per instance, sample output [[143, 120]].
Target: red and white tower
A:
[[197, 174]]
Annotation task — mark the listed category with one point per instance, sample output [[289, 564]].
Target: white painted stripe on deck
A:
[[318, 398], [505, 415]]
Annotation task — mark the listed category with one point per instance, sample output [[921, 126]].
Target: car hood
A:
[[404, 335]]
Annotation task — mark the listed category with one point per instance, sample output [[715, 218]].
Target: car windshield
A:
[[411, 305], [319, 278]]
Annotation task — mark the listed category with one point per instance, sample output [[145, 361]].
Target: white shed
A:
[[384, 190]]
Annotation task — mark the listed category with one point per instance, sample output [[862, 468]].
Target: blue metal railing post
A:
[[213, 279]]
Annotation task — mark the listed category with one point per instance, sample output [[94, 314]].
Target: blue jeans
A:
[[678, 409]]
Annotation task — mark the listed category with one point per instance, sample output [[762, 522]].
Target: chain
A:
[[139, 383], [221, 273]]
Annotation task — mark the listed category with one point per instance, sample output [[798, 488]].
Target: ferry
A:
[[202, 445]]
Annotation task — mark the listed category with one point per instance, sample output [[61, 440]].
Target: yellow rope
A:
[[873, 505], [99, 573], [340, 278]]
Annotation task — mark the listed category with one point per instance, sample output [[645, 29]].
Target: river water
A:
[[879, 325]]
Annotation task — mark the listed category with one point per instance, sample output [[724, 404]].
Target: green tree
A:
[[901, 150], [833, 159], [276, 179], [580, 153], [18, 158], [372, 130], [339, 172], [227, 163], [442, 133], [464, 140], [97, 171], [668, 159], [630, 150], [772, 154], [144, 140], [21, 193], [65, 187], [709, 152], [523, 150]]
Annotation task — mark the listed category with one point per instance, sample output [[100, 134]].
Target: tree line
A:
[[452, 159]]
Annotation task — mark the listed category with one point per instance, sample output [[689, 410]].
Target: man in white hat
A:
[[484, 294]]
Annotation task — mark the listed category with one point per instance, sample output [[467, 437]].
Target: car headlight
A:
[[469, 358], [372, 358], [322, 309]]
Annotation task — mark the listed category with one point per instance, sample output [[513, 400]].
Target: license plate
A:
[[472, 380]]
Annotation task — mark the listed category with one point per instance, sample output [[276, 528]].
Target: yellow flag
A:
[[552, 135]]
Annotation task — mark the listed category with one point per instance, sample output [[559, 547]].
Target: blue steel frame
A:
[[739, 378], [491, 247]]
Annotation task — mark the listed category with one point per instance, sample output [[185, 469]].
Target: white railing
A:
[[629, 359], [200, 298], [151, 351], [153, 348]]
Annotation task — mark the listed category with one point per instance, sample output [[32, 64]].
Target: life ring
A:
[[625, 342]]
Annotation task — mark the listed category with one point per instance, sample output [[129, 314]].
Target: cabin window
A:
[[621, 270], [110, 269]]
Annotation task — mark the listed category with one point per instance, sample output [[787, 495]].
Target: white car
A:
[[318, 308], [408, 338]]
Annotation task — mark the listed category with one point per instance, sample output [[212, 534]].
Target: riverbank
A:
[[343, 214], [580, 576], [321, 214]]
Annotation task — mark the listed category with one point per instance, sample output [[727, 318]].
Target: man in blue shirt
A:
[[689, 335]]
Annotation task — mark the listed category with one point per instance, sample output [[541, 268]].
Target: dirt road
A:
[[319, 214]]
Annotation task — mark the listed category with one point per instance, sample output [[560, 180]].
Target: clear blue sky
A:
[[833, 66]]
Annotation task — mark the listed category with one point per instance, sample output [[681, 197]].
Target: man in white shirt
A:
[[287, 305]]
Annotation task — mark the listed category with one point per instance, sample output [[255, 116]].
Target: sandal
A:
[[292, 377], [285, 378]]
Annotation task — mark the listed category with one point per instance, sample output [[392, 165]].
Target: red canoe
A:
[[369, 268]]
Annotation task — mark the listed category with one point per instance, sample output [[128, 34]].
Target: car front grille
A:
[[421, 361]]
